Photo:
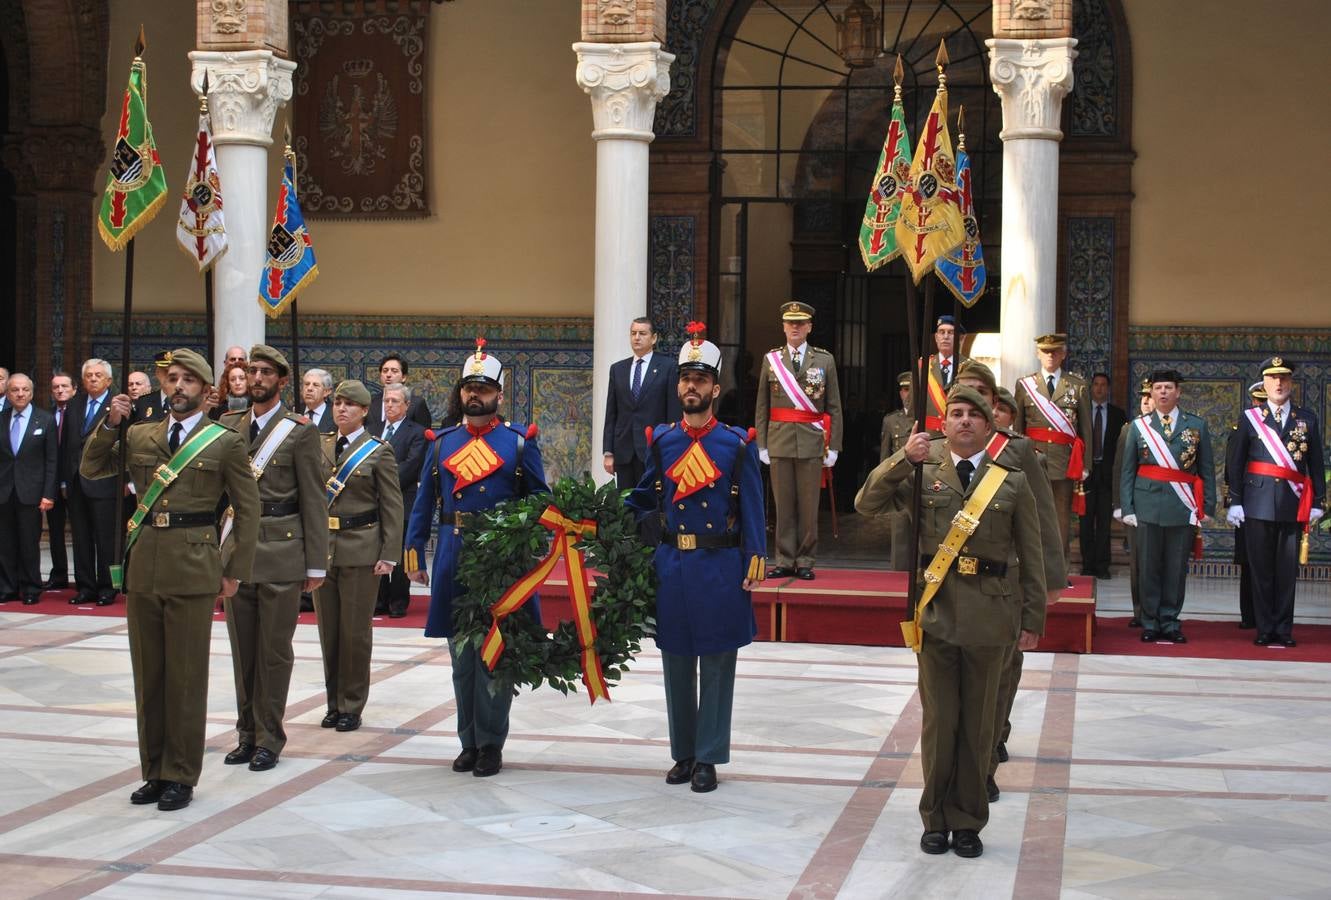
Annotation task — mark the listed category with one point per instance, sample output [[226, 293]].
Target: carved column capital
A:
[[625, 82], [1032, 77], [245, 91]]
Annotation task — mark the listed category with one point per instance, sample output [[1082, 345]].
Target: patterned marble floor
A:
[[1130, 778]]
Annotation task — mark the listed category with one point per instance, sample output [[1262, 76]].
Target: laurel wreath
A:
[[509, 540]]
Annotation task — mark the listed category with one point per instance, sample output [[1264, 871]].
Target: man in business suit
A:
[[27, 489], [1107, 420], [1168, 490], [175, 574], [292, 556], [1145, 406], [62, 391], [642, 394], [315, 387], [92, 501], [799, 422], [1277, 485], [4, 387], [393, 370], [407, 438]]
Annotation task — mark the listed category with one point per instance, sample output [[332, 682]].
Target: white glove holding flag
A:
[[1314, 514], [763, 455], [830, 459], [1234, 516], [1130, 520]]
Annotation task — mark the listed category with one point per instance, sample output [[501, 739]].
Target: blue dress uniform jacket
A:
[[1264, 497], [701, 607], [438, 487]]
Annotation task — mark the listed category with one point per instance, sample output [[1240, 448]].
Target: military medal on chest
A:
[[815, 382], [1297, 445]]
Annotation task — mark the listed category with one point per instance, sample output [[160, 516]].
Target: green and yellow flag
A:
[[136, 184], [878, 230]]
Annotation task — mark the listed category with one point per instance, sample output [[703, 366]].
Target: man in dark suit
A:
[[27, 489], [1107, 420], [92, 501], [393, 370], [642, 394], [62, 391], [4, 381], [315, 387], [407, 438]]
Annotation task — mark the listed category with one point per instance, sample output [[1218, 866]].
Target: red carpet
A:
[[1213, 640]]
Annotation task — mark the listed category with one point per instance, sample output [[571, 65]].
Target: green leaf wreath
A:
[[509, 540]]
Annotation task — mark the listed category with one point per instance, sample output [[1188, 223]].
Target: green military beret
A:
[[1004, 396], [194, 363], [962, 394], [353, 392], [973, 368], [272, 355]]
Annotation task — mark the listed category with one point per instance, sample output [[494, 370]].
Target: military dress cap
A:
[[1145, 389], [973, 368], [698, 355], [957, 327], [795, 311], [1278, 365], [162, 359], [1004, 397], [959, 393], [270, 354], [353, 391], [1160, 375], [482, 367], [193, 363], [1055, 341], [903, 380], [1257, 390]]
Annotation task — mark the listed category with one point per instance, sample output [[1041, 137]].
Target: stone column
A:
[[625, 81], [1031, 76]]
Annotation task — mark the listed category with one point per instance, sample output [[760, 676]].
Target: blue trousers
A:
[[699, 719], [482, 716]]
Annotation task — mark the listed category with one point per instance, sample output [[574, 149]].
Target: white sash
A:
[[1164, 458], [1053, 415], [792, 388], [258, 463], [1271, 441]]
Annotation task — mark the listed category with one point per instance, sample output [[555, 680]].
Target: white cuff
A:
[[316, 573]]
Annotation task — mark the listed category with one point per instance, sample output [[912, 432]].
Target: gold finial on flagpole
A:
[[203, 97], [941, 61], [961, 128], [140, 44], [898, 75]]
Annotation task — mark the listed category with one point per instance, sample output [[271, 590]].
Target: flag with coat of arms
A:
[[200, 228], [878, 234], [291, 265], [962, 268], [136, 184]]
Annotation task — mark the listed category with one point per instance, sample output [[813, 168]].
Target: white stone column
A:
[[1032, 77], [245, 90], [625, 82]]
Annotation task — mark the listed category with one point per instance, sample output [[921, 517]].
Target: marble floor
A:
[[1129, 778]]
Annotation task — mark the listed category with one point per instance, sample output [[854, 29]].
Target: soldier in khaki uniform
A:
[[175, 572], [365, 542], [1068, 392], [897, 426], [291, 558], [797, 437], [976, 614]]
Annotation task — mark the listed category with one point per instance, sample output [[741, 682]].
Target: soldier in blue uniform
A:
[[471, 466], [1277, 487], [703, 483]]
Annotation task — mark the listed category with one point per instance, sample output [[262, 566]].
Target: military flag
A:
[[291, 265], [962, 268], [136, 184], [200, 229], [930, 224], [878, 234]]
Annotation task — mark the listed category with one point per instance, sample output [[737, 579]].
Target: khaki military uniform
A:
[[344, 603], [172, 580], [968, 627], [293, 541], [796, 450], [1071, 395], [896, 429]]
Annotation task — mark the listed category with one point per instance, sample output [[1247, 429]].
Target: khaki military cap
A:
[[962, 394], [1051, 342], [272, 355], [795, 311], [903, 380], [192, 362], [353, 392]]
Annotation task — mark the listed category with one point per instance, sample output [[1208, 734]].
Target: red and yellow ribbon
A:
[[567, 532]]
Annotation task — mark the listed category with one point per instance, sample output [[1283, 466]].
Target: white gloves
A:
[[1130, 520], [830, 459], [762, 455], [1234, 516], [1314, 514], [1118, 514]]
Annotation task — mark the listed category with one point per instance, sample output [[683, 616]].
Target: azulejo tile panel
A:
[[561, 413]]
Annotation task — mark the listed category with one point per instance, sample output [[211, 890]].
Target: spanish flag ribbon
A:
[[567, 532]]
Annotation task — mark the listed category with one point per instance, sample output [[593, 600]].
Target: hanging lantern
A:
[[859, 35]]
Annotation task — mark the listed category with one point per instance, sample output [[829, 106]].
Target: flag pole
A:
[[295, 314], [208, 273]]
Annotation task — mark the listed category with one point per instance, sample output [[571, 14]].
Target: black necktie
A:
[[254, 430], [1098, 439], [341, 445], [637, 379], [965, 469], [92, 414], [1050, 381], [388, 432], [173, 442], [946, 365]]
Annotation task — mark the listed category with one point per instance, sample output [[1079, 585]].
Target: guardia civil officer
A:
[[365, 541], [702, 483], [292, 557], [471, 466], [181, 465], [1145, 406], [897, 426], [970, 611]]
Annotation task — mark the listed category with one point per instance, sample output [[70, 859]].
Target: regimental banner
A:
[[136, 184], [930, 224], [878, 234], [962, 269], [291, 265], [200, 229], [359, 108]]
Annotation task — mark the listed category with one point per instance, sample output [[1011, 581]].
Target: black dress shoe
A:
[[56, 585], [347, 722], [81, 598], [1287, 642], [1247, 626], [8, 598], [934, 842], [1149, 636], [108, 600], [330, 720], [151, 792], [489, 761], [1134, 622], [176, 796], [1262, 640], [1178, 637], [967, 843], [31, 599], [466, 760], [680, 772], [704, 778], [1002, 752], [780, 572], [264, 759], [242, 754], [397, 614], [805, 573], [991, 787]]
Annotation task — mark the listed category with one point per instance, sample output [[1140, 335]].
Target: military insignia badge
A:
[[1191, 438], [693, 471], [472, 462], [936, 487]]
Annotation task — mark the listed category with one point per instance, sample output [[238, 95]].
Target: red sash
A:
[[1271, 470], [1051, 436], [1160, 473], [785, 414]]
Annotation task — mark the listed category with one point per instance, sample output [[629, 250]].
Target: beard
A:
[[478, 407], [184, 403], [258, 393], [695, 403]]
